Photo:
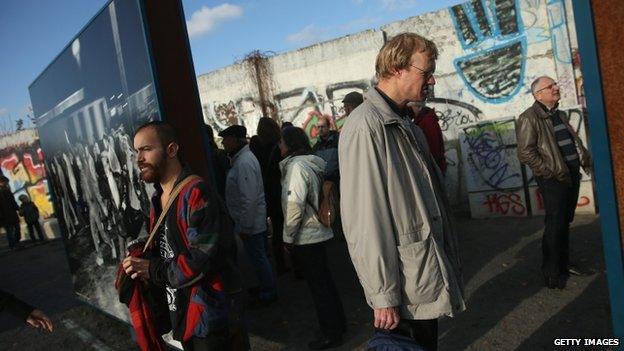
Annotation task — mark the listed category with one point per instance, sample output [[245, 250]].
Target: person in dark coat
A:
[[30, 212], [326, 147], [20, 309], [9, 219], [264, 146], [220, 161]]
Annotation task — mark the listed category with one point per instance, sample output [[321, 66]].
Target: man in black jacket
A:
[[9, 219], [326, 147]]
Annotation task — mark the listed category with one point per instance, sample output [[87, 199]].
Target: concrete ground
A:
[[508, 307]]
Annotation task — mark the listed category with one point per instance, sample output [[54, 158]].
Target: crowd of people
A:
[[387, 166]]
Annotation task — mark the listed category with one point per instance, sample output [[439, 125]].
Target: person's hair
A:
[[536, 82], [268, 131], [297, 141], [4, 179], [165, 131], [286, 124], [397, 53], [23, 197]]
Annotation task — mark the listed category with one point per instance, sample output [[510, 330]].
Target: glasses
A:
[[321, 126], [426, 74], [549, 87]]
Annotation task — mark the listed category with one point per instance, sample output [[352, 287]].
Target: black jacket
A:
[[327, 149], [8, 208], [30, 212], [14, 306]]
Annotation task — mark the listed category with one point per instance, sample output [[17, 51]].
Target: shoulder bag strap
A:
[[172, 197]]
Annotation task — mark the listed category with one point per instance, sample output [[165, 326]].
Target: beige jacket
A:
[[300, 190], [395, 215], [537, 146]]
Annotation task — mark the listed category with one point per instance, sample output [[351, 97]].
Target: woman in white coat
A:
[[304, 235]]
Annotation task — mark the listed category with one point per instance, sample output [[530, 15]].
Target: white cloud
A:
[[359, 2], [393, 5], [206, 19], [307, 35]]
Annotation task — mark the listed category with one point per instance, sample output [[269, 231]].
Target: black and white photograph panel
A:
[[87, 104]]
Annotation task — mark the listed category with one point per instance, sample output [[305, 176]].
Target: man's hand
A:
[[243, 236], [38, 319], [386, 318], [136, 267]]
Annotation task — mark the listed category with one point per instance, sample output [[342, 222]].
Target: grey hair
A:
[[536, 82]]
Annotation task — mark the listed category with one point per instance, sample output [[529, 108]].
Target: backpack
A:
[[328, 200]]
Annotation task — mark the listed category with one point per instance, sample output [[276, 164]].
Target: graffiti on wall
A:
[[489, 156], [453, 115], [511, 203], [559, 31], [23, 165], [495, 45], [298, 106], [492, 170]]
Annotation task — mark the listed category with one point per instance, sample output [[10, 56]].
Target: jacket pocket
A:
[[207, 312], [420, 272]]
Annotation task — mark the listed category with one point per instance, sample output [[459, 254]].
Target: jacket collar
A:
[[542, 111], [388, 116], [332, 135], [186, 171], [240, 152]]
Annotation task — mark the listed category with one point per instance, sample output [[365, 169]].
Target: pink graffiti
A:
[[9, 163], [503, 203], [36, 171]]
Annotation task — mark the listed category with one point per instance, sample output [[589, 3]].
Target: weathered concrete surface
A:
[[508, 307]]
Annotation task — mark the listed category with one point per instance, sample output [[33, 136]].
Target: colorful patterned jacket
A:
[[201, 250]]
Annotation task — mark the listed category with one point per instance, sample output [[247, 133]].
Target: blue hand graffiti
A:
[[494, 37]]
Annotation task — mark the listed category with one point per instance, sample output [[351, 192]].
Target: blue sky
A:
[[33, 32]]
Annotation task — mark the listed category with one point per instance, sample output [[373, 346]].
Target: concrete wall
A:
[[490, 52], [21, 160]]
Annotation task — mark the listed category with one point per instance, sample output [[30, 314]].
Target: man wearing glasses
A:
[[395, 214], [554, 152], [326, 147]]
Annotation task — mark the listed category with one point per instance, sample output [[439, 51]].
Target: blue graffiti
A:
[[493, 34], [558, 30], [487, 156]]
